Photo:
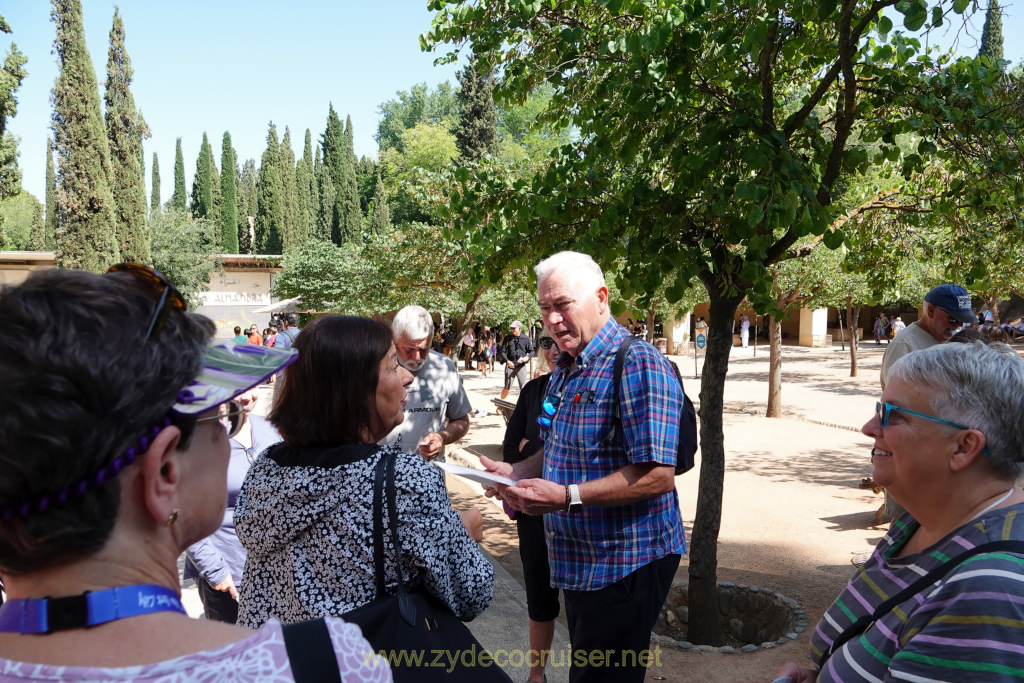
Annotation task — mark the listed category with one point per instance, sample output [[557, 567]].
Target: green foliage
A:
[[178, 198], [522, 135], [292, 235], [350, 217], [182, 249], [992, 34], [17, 215], [326, 200], [85, 207], [37, 230], [154, 191], [270, 225], [247, 206], [476, 134], [202, 182], [380, 215], [419, 104], [50, 234], [305, 189], [228, 197], [425, 148], [11, 76], [328, 277], [125, 132]]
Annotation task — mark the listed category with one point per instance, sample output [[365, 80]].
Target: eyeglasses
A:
[[548, 408], [547, 342], [883, 411], [231, 415], [169, 297]]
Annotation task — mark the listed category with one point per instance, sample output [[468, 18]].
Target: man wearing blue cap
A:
[[946, 308]]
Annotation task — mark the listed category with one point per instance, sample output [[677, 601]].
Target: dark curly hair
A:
[[82, 384]]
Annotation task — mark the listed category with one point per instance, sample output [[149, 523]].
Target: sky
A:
[[236, 65]]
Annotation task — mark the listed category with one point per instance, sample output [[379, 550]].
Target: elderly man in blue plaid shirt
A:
[[610, 510]]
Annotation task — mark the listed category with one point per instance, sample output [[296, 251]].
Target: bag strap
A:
[[620, 362], [311, 652], [865, 622], [384, 482]]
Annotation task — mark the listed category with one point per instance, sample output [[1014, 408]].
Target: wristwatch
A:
[[575, 502]]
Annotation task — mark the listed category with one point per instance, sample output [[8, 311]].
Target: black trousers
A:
[[217, 605], [610, 628]]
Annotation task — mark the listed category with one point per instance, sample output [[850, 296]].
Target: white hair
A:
[[979, 386], [580, 266], [413, 323]]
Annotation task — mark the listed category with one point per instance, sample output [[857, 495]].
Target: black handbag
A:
[[419, 637]]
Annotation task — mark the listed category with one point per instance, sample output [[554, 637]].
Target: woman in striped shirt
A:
[[949, 446]]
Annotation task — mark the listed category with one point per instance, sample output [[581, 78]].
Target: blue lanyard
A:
[[46, 615]]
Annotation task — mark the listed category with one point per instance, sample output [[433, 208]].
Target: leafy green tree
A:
[[50, 235], [246, 206], [305, 189], [11, 76], [522, 134], [202, 182], [367, 173], [178, 198], [333, 146], [716, 139], [18, 215], [183, 248], [992, 33], [293, 235], [228, 197], [86, 236], [326, 200], [125, 132], [37, 233], [425, 148], [419, 104], [380, 216], [328, 277], [476, 134], [270, 226], [154, 192]]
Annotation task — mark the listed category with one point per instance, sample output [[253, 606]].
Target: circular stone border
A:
[[795, 623]]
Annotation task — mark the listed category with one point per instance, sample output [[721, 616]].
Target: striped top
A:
[[968, 626], [600, 545]]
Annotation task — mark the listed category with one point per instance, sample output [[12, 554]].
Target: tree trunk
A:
[[852, 324], [842, 335], [650, 327], [774, 368], [464, 325], [993, 305], [705, 626]]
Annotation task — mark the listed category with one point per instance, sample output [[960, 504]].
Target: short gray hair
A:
[[979, 386], [580, 265], [413, 323]]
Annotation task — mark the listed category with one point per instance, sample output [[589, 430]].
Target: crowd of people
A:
[[113, 465]]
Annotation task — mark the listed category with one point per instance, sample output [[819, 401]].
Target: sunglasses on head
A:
[[157, 285], [547, 342], [231, 415]]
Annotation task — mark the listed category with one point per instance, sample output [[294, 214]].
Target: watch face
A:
[[575, 507]]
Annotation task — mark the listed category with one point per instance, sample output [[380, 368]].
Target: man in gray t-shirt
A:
[[437, 407]]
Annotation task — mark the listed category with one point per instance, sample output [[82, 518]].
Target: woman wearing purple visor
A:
[[114, 427]]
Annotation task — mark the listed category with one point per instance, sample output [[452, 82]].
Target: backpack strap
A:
[[864, 623], [620, 362], [311, 652]]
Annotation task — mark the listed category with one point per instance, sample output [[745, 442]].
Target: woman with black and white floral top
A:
[[305, 512]]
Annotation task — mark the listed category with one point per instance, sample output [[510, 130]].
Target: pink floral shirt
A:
[[260, 657]]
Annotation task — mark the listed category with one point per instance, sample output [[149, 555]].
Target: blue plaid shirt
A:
[[600, 545]]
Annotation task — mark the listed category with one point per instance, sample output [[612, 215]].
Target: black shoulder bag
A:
[[864, 623], [420, 637]]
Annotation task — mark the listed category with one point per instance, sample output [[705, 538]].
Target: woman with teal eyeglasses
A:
[[942, 596]]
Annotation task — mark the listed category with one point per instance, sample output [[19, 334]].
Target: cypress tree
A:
[[291, 237], [125, 131], [270, 198], [992, 33], [12, 73], [350, 221], [477, 132], [326, 199], [49, 240], [85, 207], [380, 217], [178, 198], [37, 231], [154, 197], [213, 218], [305, 185], [334, 147], [246, 206], [202, 182], [228, 197]]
